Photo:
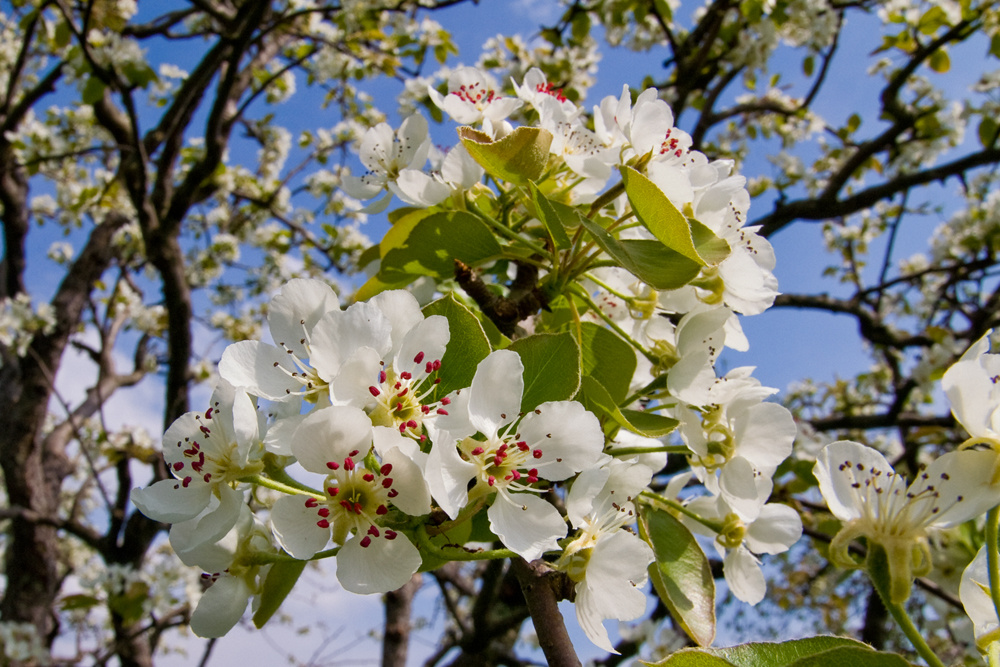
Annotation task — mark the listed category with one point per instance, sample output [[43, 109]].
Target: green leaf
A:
[[681, 575], [595, 397], [649, 261], [550, 217], [93, 90], [608, 359], [659, 215], [988, 130], [551, 368], [278, 584], [808, 65], [517, 158], [809, 652], [78, 601], [428, 245], [467, 346], [939, 61], [130, 603]]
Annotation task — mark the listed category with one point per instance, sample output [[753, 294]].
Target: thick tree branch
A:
[[541, 585]]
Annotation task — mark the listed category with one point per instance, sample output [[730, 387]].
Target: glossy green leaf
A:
[[659, 215], [595, 397], [988, 129], [517, 158], [551, 368], [428, 245], [278, 584], [550, 218], [608, 359], [466, 347], [681, 574], [939, 61], [649, 261], [809, 652], [78, 601]]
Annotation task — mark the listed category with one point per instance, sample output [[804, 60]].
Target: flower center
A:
[[215, 463], [403, 399], [502, 464], [355, 498]]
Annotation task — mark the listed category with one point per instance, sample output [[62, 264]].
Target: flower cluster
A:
[[404, 424]]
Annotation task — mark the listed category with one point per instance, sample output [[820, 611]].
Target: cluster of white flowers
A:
[[19, 322], [351, 394], [20, 644]]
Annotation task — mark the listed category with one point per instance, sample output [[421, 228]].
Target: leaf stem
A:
[[715, 526], [905, 623], [296, 490], [458, 552]]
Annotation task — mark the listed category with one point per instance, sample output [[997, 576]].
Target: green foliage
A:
[[551, 368], [278, 583], [810, 652], [467, 347]]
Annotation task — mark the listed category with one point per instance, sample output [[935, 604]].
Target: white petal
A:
[[495, 395], [383, 566], [169, 502], [419, 189], [569, 437], [744, 576], [835, 468], [974, 592], [428, 339], [340, 333], [414, 497], [355, 376], [221, 607], [403, 312], [295, 527], [744, 489], [448, 476], [776, 528], [331, 434], [251, 364], [583, 493], [529, 528], [296, 309], [764, 435]]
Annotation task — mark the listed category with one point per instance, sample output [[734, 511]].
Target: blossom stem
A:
[[295, 489], [266, 557], [992, 558], [467, 513], [457, 551], [993, 655], [912, 633], [582, 293], [715, 526], [513, 236]]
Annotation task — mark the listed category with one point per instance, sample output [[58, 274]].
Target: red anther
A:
[[507, 478], [373, 531], [346, 505], [532, 479], [196, 465], [323, 523], [411, 423], [419, 358], [437, 364], [516, 475], [208, 413], [502, 449], [311, 502], [191, 452], [425, 409], [368, 477], [348, 464], [358, 508], [381, 377], [399, 406], [492, 480], [333, 465], [365, 541], [533, 472], [204, 429], [402, 428], [436, 381], [406, 375], [186, 481], [207, 477], [445, 401], [382, 510], [179, 466], [332, 490], [429, 367], [390, 534], [523, 446], [402, 393], [498, 460], [373, 391], [537, 453], [423, 438], [477, 451], [386, 468], [354, 453], [441, 411], [392, 493], [323, 512], [398, 385]]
